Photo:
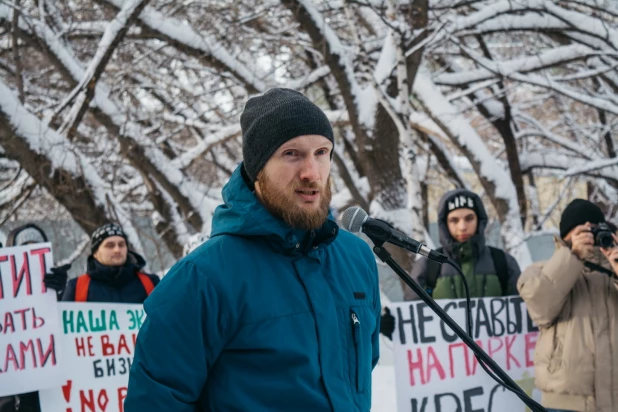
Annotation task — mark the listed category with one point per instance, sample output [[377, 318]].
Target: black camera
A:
[[603, 235]]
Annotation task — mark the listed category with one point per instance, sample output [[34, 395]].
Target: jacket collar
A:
[[116, 276]]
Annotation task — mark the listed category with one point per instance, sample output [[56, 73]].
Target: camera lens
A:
[[605, 240]]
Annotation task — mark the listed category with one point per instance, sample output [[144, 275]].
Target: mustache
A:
[[307, 185]]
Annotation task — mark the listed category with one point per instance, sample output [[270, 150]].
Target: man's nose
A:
[[309, 170]]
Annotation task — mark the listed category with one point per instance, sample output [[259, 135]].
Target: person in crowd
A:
[[279, 310], [30, 233], [573, 298], [114, 273], [55, 279], [489, 271]]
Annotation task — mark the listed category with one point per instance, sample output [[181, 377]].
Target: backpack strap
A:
[[432, 274], [502, 270], [81, 288], [146, 282]]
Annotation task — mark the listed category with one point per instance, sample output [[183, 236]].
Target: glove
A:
[[387, 324], [57, 279]]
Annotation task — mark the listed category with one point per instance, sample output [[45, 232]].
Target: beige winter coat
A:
[[576, 309]]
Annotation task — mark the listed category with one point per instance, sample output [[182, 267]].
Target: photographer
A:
[[573, 297]]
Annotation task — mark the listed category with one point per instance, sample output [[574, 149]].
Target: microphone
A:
[[354, 219]]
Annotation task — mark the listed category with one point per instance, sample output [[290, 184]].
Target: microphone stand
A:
[[386, 257]]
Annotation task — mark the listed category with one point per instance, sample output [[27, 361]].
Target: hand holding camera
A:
[[585, 237], [582, 241]]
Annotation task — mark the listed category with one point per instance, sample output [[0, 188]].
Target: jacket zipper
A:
[[356, 325]]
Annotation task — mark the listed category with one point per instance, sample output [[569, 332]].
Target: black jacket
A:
[[113, 284], [28, 402]]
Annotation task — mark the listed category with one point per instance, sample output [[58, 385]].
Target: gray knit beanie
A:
[[272, 119]]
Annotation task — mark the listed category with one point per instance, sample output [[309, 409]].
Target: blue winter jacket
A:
[[260, 318]]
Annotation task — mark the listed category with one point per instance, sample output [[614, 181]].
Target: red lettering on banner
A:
[[451, 358], [24, 274], [22, 312], [530, 347], [3, 258], [39, 358], [36, 321], [80, 346], [509, 355], [23, 349], [87, 401], [434, 363], [111, 348], [41, 254], [418, 364], [8, 322], [10, 357], [122, 343], [49, 353], [475, 362], [107, 348], [490, 348], [103, 400], [122, 394], [66, 392]]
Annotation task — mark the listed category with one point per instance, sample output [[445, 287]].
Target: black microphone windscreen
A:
[[352, 219]]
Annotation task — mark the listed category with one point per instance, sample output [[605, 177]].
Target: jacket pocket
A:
[[361, 359]]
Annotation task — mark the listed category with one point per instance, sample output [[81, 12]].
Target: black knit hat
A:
[[461, 199], [103, 232], [270, 120], [578, 212]]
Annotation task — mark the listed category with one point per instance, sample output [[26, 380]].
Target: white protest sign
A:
[[97, 344], [28, 320], [436, 372]]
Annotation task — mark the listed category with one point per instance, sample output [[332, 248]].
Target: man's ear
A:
[[257, 189]]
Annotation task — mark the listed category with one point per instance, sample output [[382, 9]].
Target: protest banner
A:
[[436, 372], [97, 343], [28, 320]]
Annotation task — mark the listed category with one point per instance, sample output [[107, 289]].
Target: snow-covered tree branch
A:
[[425, 95]]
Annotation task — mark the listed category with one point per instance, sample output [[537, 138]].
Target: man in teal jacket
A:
[[279, 310]]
